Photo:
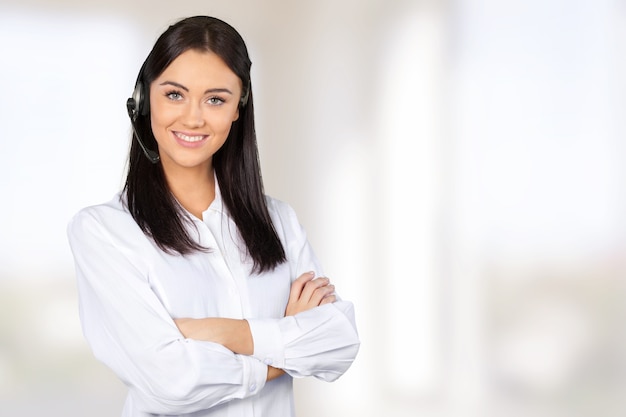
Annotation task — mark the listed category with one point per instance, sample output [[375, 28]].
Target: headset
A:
[[139, 104]]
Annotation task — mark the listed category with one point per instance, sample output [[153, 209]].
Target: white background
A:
[[459, 167]]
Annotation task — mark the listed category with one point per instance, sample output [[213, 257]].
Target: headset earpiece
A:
[[137, 105], [142, 105], [133, 104]]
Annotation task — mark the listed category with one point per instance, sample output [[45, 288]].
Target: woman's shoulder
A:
[[278, 207], [114, 208], [112, 216], [284, 217]]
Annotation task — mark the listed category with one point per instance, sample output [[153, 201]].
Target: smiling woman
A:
[[194, 102], [201, 293]]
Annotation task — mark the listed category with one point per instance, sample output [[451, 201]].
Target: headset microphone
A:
[[133, 110]]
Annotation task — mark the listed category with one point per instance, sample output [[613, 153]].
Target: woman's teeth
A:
[[189, 138]]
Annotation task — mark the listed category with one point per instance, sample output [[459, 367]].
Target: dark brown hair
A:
[[236, 164]]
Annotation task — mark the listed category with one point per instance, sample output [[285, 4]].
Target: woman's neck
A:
[[193, 188]]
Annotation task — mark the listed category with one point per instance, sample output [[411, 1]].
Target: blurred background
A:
[[459, 166]]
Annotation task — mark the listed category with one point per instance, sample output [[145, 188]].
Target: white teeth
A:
[[189, 138]]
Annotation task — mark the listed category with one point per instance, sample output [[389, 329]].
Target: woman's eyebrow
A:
[[218, 90], [210, 90], [175, 84]]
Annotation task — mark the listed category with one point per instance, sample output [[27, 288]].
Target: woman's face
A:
[[193, 104]]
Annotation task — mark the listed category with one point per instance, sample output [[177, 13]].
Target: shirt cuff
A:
[[268, 342], [255, 375]]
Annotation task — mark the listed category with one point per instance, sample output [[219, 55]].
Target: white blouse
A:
[[130, 291]]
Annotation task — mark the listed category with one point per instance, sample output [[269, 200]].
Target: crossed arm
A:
[[306, 292]]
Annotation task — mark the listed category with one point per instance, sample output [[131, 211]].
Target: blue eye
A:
[[215, 101], [174, 95]]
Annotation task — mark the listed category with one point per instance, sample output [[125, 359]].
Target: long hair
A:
[[236, 163]]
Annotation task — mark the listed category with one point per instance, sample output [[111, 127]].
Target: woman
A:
[[197, 290]]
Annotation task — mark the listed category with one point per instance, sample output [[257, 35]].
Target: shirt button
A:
[[268, 361], [252, 387]]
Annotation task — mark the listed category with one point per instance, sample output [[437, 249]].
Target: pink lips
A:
[[189, 140]]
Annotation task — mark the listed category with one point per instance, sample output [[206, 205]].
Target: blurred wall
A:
[[459, 167]]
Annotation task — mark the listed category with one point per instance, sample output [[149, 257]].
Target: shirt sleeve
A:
[[321, 342], [130, 331]]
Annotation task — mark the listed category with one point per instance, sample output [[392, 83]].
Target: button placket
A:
[[217, 261]]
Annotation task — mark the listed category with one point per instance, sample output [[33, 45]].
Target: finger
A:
[[321, 293], [328, 299], [298, 284], [311, 287]]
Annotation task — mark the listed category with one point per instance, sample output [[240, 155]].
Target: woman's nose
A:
[[193, 116]]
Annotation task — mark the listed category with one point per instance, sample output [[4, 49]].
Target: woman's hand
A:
[[308, 292]]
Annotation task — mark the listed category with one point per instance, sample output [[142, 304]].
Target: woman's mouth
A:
[[189, 138]]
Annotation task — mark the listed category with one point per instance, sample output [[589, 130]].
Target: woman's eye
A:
[[174, 95], [215, 101]]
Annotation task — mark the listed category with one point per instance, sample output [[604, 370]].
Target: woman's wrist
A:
[[273, 373]]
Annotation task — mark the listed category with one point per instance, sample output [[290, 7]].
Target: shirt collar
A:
[[217, 204]]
